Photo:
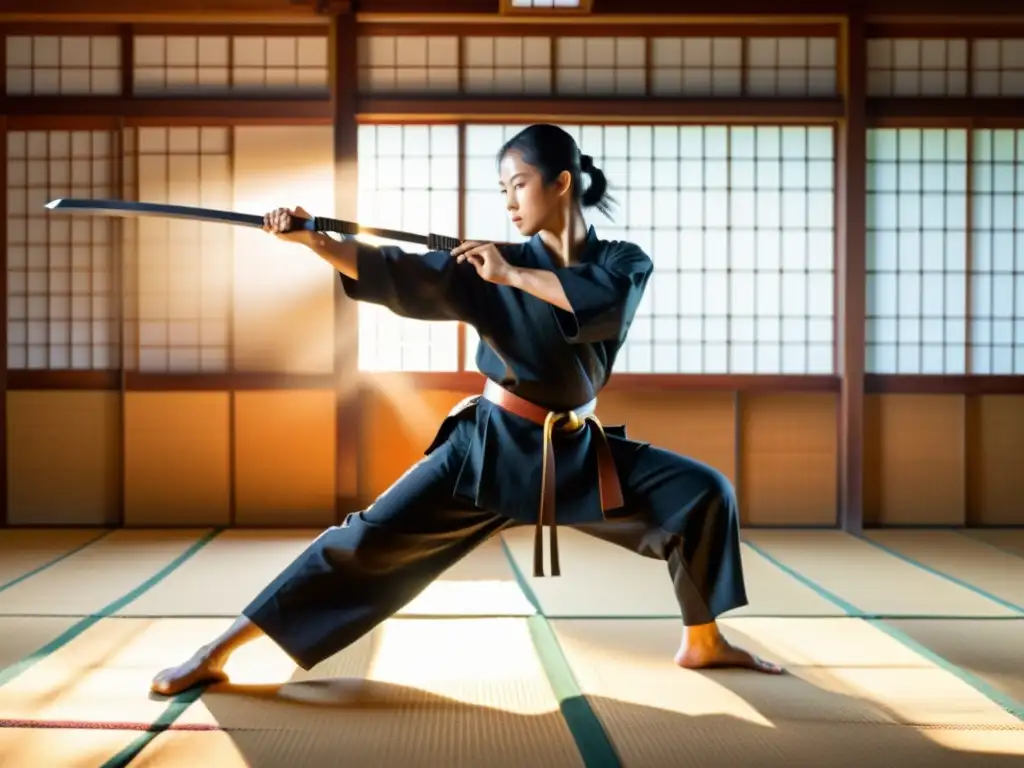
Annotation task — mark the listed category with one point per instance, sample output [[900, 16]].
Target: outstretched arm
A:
[[342, 255], [429, 286]]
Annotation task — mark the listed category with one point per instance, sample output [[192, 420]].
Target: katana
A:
[[130, 209]]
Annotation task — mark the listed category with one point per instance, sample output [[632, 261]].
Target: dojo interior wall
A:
[[208, 299], [267, 455], [931, 460]]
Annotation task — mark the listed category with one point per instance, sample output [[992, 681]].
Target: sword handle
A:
[[434, 242], [321, 224], [442, 242]]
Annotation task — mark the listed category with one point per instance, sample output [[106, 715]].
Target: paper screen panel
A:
[[738, 221], [408, 180], [282, 293], [601, 66], [280, 64], [696, 66], [545, 4], [916, 251], [408, 64], [181, 64], [62, 296], [904, 67], [997, 255], [69, 65], [183, 267], [998, 68], [506, 65], [791, 66]]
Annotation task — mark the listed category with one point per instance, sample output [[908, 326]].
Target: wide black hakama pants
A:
[[356, 575]]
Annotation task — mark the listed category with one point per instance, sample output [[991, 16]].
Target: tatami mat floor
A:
[[904, 648]]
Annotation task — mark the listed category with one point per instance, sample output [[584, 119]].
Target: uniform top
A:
[[557, 359]]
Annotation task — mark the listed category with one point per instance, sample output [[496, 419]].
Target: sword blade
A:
[[132, 209]]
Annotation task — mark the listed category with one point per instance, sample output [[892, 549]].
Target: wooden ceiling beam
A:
[[948, 11], [719, 9], [283, 11]]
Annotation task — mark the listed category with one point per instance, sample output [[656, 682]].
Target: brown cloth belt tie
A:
[[608, 484]]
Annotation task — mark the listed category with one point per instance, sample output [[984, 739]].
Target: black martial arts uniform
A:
[[484, 470]]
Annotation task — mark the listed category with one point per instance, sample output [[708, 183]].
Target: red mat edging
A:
[[105, 726]]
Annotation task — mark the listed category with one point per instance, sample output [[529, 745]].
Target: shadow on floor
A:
[[357, 722]]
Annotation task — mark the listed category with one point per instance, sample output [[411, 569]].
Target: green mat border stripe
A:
[[1008, 703], [942, 574], [12, 671], [592, 740], [50, 563]]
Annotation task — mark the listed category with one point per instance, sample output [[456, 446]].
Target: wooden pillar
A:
[[346, 351], [127, 34], [4, 492], [851, 206]]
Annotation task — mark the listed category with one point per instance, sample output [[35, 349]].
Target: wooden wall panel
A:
[[697, 425], [398, 425], [788, 459], [700, 425], [177, 454], [996, 460], [284, 458], [914, 463], [284, 294], [63, 458], [63, 463]]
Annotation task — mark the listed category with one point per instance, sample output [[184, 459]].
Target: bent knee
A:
[[721, 486], [719, 492]]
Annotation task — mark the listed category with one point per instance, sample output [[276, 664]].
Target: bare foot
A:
[[723, 654], [199, 670]]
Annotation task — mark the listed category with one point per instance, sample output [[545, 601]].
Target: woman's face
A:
[[530, 203]]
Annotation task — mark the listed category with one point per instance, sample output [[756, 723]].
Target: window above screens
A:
[[545, 6], [938, 67]]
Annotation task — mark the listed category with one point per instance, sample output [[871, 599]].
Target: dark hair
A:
[[552, 150]]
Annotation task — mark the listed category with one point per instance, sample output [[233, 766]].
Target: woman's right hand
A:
[[278, 222]]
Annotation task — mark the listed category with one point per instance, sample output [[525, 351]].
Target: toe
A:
[[766, 666], [163, 683]]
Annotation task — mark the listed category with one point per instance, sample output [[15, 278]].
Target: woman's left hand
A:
[[487, 260]]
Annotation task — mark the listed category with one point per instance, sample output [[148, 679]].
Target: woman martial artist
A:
[[552, 313]]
